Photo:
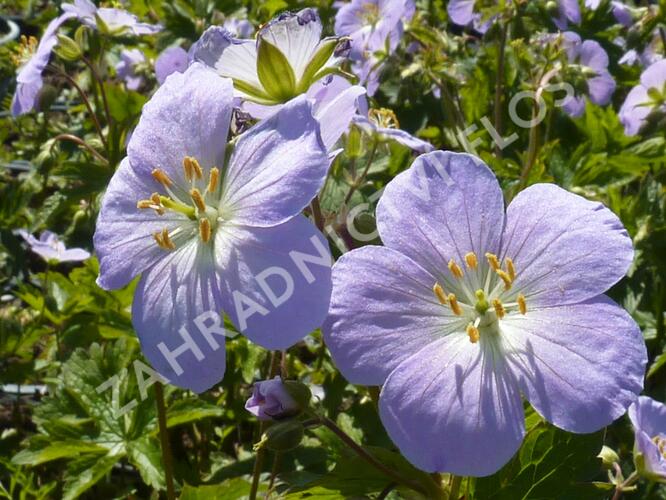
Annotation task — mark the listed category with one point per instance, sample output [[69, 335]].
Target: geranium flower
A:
[[29, 81], [239, 28], [51, 249], [462, 13], [467, 307], [383, 124], [646, 99], [209, 234], [109, 20], [592, 62], [271, 400], [170, 60], [649, 420], [126, 68]]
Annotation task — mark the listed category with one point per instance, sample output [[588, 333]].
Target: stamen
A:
[[213, 179], [144, 204], [522, 305], [499, 308], [505, 278], [493, 261], [481, 303], [455, 307], [198, 200], [188, 169], [511, 269], [196, 167], [161, 176], [455, 269], [473, 333], [204, 230], [440, 294], [471, 260], [167, 240], [155, 198]]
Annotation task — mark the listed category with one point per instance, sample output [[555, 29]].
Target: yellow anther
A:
[[213, 179], [198, 200], [510, 268], [455, 307], [505, 278], [439, 292], [188, 168], [522, 305], [144, 204], [473, 333], [155, 198], [499, 308], [161, 176], [198, 171], [471, 260], [167, 240], [204, 230], [455, 269], [493, 261]]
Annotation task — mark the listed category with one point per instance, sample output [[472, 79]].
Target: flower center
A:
[[660, 441], [383, 118], [25, 50], [201, 204], [481, 291], [370, 13]]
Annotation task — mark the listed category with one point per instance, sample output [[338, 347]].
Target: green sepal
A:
[[275, 73], [253, 93], [321, 57], [68, 49]]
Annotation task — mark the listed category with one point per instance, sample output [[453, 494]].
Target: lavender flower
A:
[[568, 11], [109, 20], [467, 307], [288, 56], [171, 60], [383, 124], [51, 249], [29, 81], [646, 99], [461, 12], [210, 235], [649, 420], [239, 28], [592, 62], [271, 400], [126, 68]]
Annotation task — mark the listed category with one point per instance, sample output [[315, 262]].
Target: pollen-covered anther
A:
[[505, 278], [471, 260], [440, 294], [213, 179], [164, 240], [455, 269], [453, 303], [499, 308], [472, 333], [192, 168], [522, 305], [204, 230], [510, 268], [493, 261], [162, 177], [198, 199]]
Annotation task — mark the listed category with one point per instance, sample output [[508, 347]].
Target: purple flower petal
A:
[[125, 68], [461, 12], [382, 311], [123, 230], [178, 300], [276, 280], [649, 416], [451, 408], [601, 88], [284, 150], [635, 110], [593, 55], [188, 116], [655, 75], [580, 365], [270, 399], [465, 210], [565, 248], [574, 106], [171, 60]]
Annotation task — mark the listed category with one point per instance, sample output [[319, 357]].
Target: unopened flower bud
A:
[[283, 436], [608, 457], [275, 399], [68, 49], [553, 9]]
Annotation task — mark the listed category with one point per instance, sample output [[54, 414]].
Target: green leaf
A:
[[55, 451], [84, 473], [275, 73], [146, 455], [230, 489], [191, 410]]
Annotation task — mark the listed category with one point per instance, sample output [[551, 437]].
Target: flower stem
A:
[[454, 492], [358, 181], [164, 438], [102, 92], [83, 144], [361, 452], [499, 83], [620, 488]]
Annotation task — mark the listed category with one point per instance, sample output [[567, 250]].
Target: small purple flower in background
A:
[[649, 420], [468, 306], [209, 235], [568, 12], [373, 26], [170, 60], [645, 55], [126, 68], [239, 28], [29, 81], [50, 248], [592, 61], [271, 400], [646, 98], [112, 21], [461, 12], [383, 124]]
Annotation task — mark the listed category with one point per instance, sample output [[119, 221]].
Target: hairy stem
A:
[[83, 144]]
